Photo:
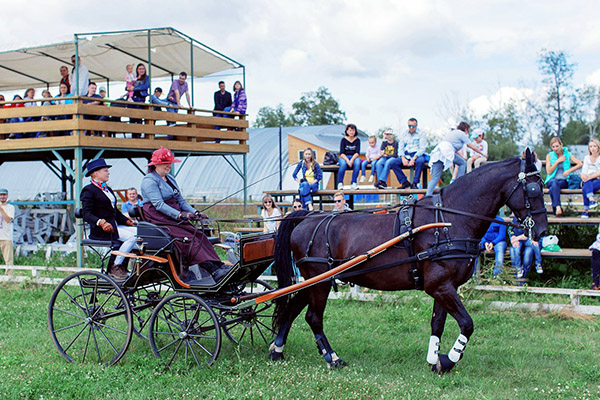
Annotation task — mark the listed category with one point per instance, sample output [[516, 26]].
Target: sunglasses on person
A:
[[412, 126], [338, 201], [297, 207], [267, 201]]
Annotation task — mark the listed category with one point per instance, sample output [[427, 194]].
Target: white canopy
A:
[[105, 54]]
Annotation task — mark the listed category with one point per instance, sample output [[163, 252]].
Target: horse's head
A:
[[526, 198]]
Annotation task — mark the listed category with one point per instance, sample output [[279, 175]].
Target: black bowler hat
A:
[[95, 165]]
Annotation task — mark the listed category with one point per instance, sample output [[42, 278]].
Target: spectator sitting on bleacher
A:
[[339, 202], [240, 102], [270, 214], [372, 154], [411, 151], [595, 248], [133, 199], [349, 156], [476, 160], [590, 175], [310, 178], [560, 164], [445, 154], [494, 241], [15, 119], [389, 149], [296, 205], [523, 252]]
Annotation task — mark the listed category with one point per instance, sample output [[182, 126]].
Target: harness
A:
[[444, 248]]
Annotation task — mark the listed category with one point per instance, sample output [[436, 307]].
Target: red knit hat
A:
[[162, 156]]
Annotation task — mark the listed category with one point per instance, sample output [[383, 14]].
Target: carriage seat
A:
[[92, 242]]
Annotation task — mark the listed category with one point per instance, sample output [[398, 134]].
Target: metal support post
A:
[[78, 186]]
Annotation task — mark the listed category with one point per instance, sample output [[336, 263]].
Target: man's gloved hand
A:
[[106, 226]]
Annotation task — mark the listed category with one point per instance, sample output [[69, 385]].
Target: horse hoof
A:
[[443, 365], [338, 364], [276, 356]]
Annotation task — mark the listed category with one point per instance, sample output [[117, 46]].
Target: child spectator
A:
[[310, 178], [523, 252], [372, 155], [129, 80], [476, 160], [590, 175], [47, 95], [389, 149], [494, 240]]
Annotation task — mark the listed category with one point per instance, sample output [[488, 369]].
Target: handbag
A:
[[330, 158], [574, 181]]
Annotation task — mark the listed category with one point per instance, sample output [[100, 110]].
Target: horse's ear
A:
[[528, 155], [529, 161]]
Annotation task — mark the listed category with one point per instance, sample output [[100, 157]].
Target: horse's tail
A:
[[283, 264]]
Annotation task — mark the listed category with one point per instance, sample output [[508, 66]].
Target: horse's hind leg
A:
[[314, 318], [447, 298], [297, 304], [438, 320]]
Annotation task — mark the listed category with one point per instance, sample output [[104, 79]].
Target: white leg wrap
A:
[[434, 349], [458, 348], [334, 357], [278, 349]]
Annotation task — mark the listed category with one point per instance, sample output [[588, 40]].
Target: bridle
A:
[[531, 191]]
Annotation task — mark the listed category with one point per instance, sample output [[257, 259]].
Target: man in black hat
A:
[[99, 209]]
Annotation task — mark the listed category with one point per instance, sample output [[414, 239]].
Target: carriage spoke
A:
[[87, 343], [175, 353], [202, 347], [104, 303], [68, 327], [108, 340], [170, 323], [168, 344], [76, 336], [100, 324], [96, 344], [69, 313], [82, 294], [84, 309]]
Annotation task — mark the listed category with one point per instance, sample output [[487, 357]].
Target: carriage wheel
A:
[[90, 318], [251, 324], [144, 299], [183, 326]]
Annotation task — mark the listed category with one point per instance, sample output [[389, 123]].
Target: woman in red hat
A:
[[99, 210], [165, 206]]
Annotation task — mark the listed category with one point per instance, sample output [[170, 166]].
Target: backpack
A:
[[330, 158]]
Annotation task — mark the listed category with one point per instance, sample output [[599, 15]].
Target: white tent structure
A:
[[166, 51]]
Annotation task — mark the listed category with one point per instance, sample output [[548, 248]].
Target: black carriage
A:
[[93, 317]]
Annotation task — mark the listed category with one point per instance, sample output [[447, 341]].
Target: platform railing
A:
[[116, 123]]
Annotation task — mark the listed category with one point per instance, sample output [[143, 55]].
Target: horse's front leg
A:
[[314, 318], [438, 320], [447, 298], [297, 304]]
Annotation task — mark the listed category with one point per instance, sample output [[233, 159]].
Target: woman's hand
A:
[[106, 226], [561, 158], [129, 222], [186, 216]]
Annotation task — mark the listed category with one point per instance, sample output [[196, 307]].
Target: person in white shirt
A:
[[84, 78], [7, 215], [590, 176], [476, 160], [270, 213]]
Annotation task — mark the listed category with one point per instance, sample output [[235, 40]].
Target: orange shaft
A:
[[347, 265]]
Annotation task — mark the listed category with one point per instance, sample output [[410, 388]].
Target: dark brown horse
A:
[[484, 191]]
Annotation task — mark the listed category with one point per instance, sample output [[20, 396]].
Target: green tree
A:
[[318, 108], [503, 132], [268, 117], [576, 132], [557, 74]]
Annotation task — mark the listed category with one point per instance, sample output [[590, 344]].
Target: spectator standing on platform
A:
[[494, 240], [445, 154], [310, 177], [372, 154], [560, 164], [7, 215], [339, 202], [523, 252], [476, 160], [349, 156], [140, 92], [129, 80], [590, 175], [84, 78], [389, 150], [240, 102], [222, 100], [411, 150], [133, 199], [64, 73], [178, 89], [595, 248], [270, 213]]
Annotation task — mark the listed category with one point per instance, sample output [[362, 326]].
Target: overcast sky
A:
[[384, 61]]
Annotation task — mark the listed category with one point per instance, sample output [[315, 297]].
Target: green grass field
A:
[[510, 355]]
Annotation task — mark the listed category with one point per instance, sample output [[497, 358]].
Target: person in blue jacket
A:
[[309, 178], [523, 253], [495, 240]]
